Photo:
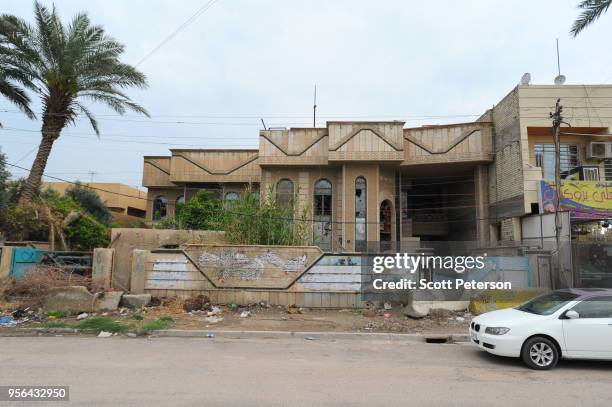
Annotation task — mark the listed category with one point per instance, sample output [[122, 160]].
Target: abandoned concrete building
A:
[[381, 182]]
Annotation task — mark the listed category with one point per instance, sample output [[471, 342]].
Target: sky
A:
[[241, 60]]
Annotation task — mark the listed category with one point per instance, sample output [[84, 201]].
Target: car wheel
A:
[[540, 353]]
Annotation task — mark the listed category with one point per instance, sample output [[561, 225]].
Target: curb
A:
[[420, 338], [181, 333]]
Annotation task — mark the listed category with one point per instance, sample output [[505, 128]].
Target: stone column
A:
[[139, 262], [481, 203], [102, 268]]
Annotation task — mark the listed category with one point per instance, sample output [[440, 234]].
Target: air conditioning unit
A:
[[598, 150]]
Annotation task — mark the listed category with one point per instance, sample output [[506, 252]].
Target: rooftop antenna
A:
[[92, 174], [559, 79], [314, 108], [264, 123]]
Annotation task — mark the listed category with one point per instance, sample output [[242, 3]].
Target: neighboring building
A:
[[379, 181], [525, 157], [127, 203]]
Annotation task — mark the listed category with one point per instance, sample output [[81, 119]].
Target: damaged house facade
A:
[[378, 181]]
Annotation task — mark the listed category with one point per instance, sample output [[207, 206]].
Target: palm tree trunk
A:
[[32, 186]]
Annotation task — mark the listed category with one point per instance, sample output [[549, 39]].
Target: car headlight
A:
[[496, 330]]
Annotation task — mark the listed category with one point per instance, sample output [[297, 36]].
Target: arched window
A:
[[322, 214], [160, 208], [361, 208], [254, 195], [180, 200], [230, 197], [284, 192]]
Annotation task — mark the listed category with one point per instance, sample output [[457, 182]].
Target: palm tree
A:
[[593, 9], [65, 65]]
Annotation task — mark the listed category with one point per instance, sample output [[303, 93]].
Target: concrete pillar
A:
[[6, 261], [102, 268], [482, 204], [138, 277]]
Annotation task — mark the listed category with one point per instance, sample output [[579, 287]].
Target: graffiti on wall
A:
[[232, 264]]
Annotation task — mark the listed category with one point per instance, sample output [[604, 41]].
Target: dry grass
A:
[[31, 289], [168, 306]]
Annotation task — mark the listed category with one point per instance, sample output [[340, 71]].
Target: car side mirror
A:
[[571, 314]]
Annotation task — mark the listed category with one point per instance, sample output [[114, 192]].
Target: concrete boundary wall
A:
[[278, 275], [303, 276]]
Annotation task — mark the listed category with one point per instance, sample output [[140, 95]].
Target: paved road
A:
[[266, 372]]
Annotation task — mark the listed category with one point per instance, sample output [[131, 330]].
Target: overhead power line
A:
[[180, 28]]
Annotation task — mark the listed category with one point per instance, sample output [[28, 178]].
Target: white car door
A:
[[590, 335]]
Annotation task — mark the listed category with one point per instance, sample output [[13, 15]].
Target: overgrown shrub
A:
[[250, 220], [247, 220], [89, 200], [25, 222], [86, 233], [203, 212], [55, 216]]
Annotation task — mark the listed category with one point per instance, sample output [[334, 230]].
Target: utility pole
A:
[[92, 174], [557, 119], [314, 108]]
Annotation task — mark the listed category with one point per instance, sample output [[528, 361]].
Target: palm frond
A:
[[17, 96], [90, 117], [593, 9]]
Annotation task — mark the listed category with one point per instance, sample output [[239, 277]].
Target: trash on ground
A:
[[21, 313], [132, 335], [7, 322], [293, 309], [214, 311], [212, 319], [460, 319], [198, 303], [310, 338], [387, 315], [82, 316], [387, 305], [209, 335], [245, 314], [104, 334]]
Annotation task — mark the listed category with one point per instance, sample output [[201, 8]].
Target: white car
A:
[[572, 323]]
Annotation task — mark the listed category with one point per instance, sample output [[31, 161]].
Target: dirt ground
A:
[[277, 318]]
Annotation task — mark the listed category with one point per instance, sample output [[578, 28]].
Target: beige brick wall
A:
[[506, 173]]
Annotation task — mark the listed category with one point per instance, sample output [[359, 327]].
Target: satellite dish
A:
[[526, 78], [560, 80]]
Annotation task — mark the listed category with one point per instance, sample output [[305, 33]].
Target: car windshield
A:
[[548, 303]]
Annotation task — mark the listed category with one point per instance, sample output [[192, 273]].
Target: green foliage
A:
[[33, 222], [247, 220], [250, 220], [89, 200], [86, 233], [99, 324], [23, 222], [203, 212], [13, 189], [57, 314], [164, 322], [592, 10]]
